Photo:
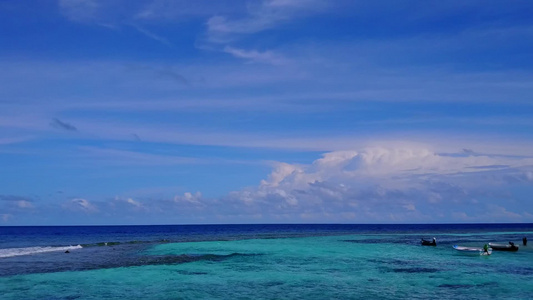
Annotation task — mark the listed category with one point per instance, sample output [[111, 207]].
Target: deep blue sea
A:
[[263, 262]]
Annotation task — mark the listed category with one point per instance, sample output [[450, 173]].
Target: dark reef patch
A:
[[415, 270], [467, 286]]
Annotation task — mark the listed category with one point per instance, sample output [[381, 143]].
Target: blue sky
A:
[[279, 111]]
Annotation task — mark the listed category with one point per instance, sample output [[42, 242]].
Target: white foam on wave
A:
[[10, 252]]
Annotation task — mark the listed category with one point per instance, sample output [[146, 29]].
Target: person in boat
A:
[[428, 243], [511, 243], [486, 248]]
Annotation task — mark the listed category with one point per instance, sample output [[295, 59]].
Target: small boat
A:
[[473, 251], [429, 243], [504, 247]]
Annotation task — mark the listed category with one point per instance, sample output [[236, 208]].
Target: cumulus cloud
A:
[[17, 203], [134, 203], [383, 163], [80, 205], [189, 198], [380, 184], [5, 217], [375, 184], [24, 204], [126, 205]]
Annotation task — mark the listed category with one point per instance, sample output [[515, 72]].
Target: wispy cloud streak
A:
[[268, 57], [62, 125], [261, 16], [152, 35]]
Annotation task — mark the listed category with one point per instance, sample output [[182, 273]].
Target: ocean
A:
[[291, 261]]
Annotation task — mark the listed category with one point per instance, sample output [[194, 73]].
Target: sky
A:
[[265, 111]]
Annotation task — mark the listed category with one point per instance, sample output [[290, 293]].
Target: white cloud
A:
[[120, 206], [24, 204], [267, 57], [80, 204], [152, 35], [386, 162], [13, 204], [79, 10], [134, 203], [261, 16], [6, 217], [179, 10], [380, 184], [281, 171], [410, 207], [408, 183], [529, 175], [190, 199]]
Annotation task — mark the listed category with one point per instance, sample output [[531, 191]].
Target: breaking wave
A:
[[10, 252]]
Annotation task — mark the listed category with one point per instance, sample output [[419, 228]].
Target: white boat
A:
[[473, 250]]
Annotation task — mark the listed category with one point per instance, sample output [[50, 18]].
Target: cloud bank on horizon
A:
[[265, 111]]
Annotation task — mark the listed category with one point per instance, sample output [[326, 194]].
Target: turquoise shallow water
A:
[[332, 266], [269, 262]]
